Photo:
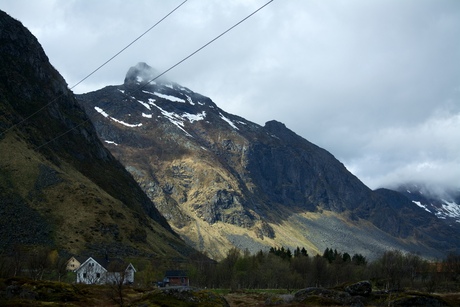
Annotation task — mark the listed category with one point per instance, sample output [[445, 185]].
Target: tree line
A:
[[37, 263], [281, 268], [277, 268]]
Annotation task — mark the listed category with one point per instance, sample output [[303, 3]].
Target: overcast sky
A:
[[376, 83]]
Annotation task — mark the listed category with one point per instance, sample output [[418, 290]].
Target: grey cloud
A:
[[377, 83]]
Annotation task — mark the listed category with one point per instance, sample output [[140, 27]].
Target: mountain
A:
[[59, 186], [443, 203], [222, 181]]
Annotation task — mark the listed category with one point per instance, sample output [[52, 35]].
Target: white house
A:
[[126, 276], [93, 272]]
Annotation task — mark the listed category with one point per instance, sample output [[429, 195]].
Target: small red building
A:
[[176, 278]]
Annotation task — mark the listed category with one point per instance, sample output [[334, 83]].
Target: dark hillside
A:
[[58, 183]]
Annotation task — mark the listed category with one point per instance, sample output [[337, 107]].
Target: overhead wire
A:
[[205, 45], [173, 66], [94, 71]]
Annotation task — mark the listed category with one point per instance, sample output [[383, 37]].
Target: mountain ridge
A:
[[441, 202], [210, 170]]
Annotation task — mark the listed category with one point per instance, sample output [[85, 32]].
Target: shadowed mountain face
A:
[[222, 181], [59, 186]]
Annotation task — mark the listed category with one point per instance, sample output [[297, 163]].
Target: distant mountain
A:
[[444, 204], [222, 181], [59, 186]]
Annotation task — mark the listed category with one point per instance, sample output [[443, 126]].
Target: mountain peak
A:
[[280, 130], [140, 73], [274, 125]]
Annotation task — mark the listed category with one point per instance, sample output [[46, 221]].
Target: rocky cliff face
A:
[[223, 181], [59, 185]]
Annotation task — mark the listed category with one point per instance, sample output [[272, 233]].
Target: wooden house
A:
[[72, 264], [176, 278], [91, 272], [103, 271]]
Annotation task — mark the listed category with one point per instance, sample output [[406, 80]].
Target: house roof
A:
[[83, 265], [176, 273], [79, 259], [106, 264], [132, 266]]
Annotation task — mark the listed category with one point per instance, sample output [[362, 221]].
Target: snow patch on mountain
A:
[[228, 121], [441, 202], [111, 142], [125, 123], [194, 117], [103, 113], [178, 120], [144, 104], [421, 205], [184, 89], [169, 97], [452, 209], [189, 99]]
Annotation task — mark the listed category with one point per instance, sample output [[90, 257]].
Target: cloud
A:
[[427, 152], [377, 83]]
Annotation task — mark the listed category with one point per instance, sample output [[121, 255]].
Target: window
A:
[[84, 275], [98, 275]]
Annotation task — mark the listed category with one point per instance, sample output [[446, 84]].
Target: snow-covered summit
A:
[[146, 102], [444, 204]]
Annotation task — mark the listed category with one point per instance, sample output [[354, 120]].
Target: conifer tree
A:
[[303, 251]]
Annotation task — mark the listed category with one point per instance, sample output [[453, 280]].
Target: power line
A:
[[62, 134], [173, 66], [94, 71], [167, 15], [205, 45]]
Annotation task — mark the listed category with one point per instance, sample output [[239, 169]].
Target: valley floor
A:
[[26, 292]]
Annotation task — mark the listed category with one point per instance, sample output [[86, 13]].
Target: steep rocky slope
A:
[[59, 186], [223, 181]]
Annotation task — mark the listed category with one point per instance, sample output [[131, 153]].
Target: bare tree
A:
[[38, 263], [393, 269], [6, 267], [18, 259], [60, 266], [413, 266], [117, 279], [451, 265]]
